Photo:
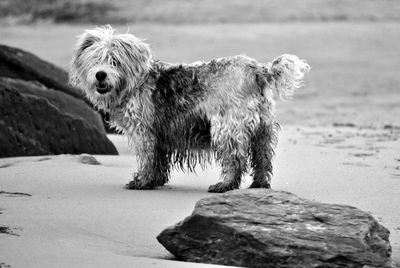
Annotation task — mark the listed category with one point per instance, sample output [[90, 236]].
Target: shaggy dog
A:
[[186, 114]]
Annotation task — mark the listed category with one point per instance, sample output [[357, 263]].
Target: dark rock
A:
[[65, 118], [31, 125], [266, 228], [21, 65], [65, 103]]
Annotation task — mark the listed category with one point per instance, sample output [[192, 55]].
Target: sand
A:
[[64, 213], [78, 215]]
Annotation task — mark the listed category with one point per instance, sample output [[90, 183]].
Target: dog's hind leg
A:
[[232, 170], [154, 170], [262, 152], [231, 142]]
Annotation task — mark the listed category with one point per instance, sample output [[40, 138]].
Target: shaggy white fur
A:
[[182, 114]]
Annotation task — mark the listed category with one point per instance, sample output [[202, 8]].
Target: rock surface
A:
[[27, 128], [65, 103], [21, 65], [31, 125], [266, 228], [88, 159]]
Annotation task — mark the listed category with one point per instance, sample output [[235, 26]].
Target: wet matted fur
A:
[[186, 114]]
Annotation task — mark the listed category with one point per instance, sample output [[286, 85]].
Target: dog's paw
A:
[[221, 187], [263, 184], [139, 184]]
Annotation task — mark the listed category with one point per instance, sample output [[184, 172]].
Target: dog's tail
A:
[[285, 74]]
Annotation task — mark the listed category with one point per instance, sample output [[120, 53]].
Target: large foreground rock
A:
[[30, 125], [266, 228]]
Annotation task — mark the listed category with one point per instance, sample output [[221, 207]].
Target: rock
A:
[[31, 125], [65, 103], [266, 228], [88, 159], [66, 117], [24, 66], [19, 64]]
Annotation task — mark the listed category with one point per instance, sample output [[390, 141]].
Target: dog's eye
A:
[[113, 62]]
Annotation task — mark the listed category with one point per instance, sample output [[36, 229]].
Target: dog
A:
[[184, 115]]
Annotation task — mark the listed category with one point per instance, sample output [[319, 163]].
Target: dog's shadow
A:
[[184, 189]]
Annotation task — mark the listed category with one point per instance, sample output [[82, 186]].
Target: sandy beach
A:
[[64, 213], [339, 141]]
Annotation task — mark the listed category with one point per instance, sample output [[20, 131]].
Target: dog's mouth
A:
[[103, 88]]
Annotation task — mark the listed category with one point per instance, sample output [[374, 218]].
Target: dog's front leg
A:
[[154, 168]]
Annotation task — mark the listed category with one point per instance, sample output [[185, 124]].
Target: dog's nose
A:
[[101, 75]]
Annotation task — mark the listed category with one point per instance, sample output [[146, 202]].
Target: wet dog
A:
[[185, 115]]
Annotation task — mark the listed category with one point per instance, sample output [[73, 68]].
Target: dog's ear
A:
[[134, 53], [85, 40]]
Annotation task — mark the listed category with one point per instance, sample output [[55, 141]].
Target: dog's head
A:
[[108, 65]]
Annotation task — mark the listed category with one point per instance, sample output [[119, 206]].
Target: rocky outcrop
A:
[[65, 103], [38, 109], [266, 228], [24, 66], [19, 64], [31, 125]]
